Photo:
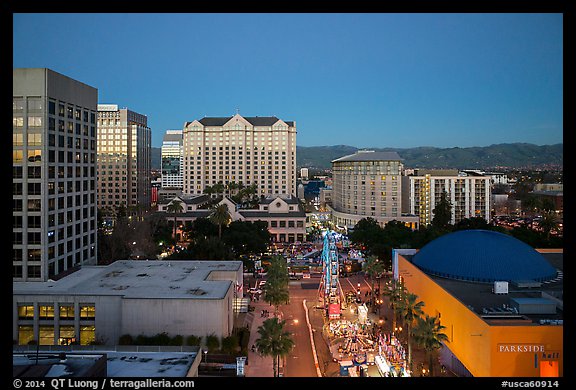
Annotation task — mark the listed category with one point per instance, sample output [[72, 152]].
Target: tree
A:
[[442, 212], [220, 216], [410, 309], [549, 223], [245, 237], [374, 268], [175, 207], [276, 290], [395, 292], [218, 189], [428, 335], [274, 341]]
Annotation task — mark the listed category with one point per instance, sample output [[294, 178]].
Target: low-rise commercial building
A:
[[98, 304]]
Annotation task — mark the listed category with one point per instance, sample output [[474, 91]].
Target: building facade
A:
[[493, 330], [368, 184], [470, 196], [172, 158], [247, 150], [124, 145], [54, 174]]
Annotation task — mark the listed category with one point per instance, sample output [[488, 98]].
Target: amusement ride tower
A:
[[329, 285]]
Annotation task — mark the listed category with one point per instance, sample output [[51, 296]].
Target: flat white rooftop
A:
[[141, 279]]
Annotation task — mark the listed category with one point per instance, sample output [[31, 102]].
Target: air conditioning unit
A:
[[500, 287]]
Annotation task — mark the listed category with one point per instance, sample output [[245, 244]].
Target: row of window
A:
[[66, 311], [63, 335]]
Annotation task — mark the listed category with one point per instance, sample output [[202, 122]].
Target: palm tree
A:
[[428, 335], [274, 341], [175, 207], [395, 293], [410, 310], [218, 188], [373, 268], [549, 223], [276, 290], [220, 216]]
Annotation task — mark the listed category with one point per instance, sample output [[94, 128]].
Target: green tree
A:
[[442, 212], [274, 341], [220, 216], [395, 292], [374, 268], [429, 336], [212, 342], [246, 237], [219, 189], [175, 207], [230, 344], [410, 309], [276, 290], [549, 223]]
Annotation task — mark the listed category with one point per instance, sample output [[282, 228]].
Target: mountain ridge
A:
[[512, 155]]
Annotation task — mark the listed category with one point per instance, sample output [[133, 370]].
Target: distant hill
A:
[[499, 155]]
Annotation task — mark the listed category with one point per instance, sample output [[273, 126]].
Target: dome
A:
[[483, 256]]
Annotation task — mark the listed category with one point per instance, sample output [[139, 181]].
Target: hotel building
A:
[[123, 158], [368, 184], [53, 174], [172, 158], [469, 195], [247, 150]]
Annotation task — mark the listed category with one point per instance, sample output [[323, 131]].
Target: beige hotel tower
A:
[[247, 150]]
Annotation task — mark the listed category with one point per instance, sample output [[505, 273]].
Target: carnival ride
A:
[[329, 290]]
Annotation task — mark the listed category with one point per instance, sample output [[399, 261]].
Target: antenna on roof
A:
[[237, 111]]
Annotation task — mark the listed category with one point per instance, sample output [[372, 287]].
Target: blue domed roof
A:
[[483, 256]]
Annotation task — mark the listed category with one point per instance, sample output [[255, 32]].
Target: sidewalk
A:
[[258, 366]]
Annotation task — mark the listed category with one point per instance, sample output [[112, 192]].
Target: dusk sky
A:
[[364, 80]]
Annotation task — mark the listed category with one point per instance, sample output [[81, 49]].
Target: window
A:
[[87, 312], [46, 312], [25, 312], [66, 312], [46, 335], [25, 334]]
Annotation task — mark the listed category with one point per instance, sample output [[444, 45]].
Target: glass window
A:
[[25, 334], [17, 121], [87, 335], [67, 335], [46, 312], [87, 312], [34, 104], [17, 104], [34, 121], [25, 312], [46, 335]]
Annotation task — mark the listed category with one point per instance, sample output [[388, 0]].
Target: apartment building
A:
[[247, 150], [53, 174], [469, 195]]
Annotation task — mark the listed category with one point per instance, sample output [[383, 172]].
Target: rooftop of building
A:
[[524, 300], [370, 155], [188, 199], [253, 120], [140, 279], [121, 361]]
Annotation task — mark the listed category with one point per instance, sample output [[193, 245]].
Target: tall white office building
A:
[[53, 174], [247, 150], [172, 159]]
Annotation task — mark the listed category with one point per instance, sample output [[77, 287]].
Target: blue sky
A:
[[364, 80]]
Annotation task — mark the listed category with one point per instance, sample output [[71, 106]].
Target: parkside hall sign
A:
[[518, 348]]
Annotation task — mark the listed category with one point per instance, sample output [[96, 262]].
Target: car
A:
[[254, 290]]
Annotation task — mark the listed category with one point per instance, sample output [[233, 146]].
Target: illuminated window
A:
[[46, 313], [67, 335], [46, 335], [66, 312], [25, 334], [87, 312], [25, 312]]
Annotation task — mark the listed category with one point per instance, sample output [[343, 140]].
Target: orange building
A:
[[500, 301]]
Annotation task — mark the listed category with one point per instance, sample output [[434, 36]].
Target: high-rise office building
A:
[[469, 195], [54, 174], [247, 150], [124, 146], [172, 157], [367, 184]]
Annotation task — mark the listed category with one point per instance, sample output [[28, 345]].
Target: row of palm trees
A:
[[427, 331], [220, 215]]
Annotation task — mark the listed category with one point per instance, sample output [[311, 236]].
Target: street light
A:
[[205, 356]]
